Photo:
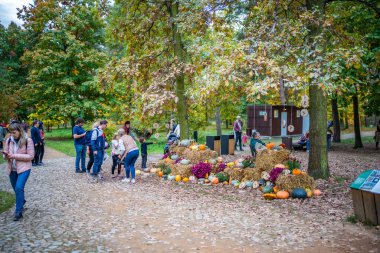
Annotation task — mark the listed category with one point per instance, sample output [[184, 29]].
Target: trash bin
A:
[[213, 142], [227, 144], [365, 192], [195, 136], [288, 141]]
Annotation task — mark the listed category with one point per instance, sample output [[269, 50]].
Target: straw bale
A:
[[251, 174], [197, 156], [182, 170], [289, 182], [235, 173], [178, 150], [267, 159]]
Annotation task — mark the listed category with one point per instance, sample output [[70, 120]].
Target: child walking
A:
[[245, 138], [144, 152], [117, 149]]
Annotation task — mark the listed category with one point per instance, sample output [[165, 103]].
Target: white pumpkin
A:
[[185, 162], [265, 175], [185, 143], [138, 172], [153, 170], [174, 157], [255, 185], [212, 161]]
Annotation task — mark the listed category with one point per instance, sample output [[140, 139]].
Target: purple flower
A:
[[273, 175], [165, 156], [221, 168], [201, 169]]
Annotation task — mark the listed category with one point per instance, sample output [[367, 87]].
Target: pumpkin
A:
[[178, 178], [242, 185], [236, 184], [171, 177], [212, 161], [239, 165], [279, 166], [210, 177], [174, 157], [309, 193], [185, 143], [138, 172], [255, 185], [317, 192], [215, 180], [206, 176], [206, 181], [270, 145], [165, 177], [160, 173], [230, 164], [194, 147], [167, 159], [282, 194], [233, 182], [262, 181], [249, 184], [296, 172], [220, 159], [153, 170], [192, 178], [202, 147], [265, 175], [185, 180], [275, 189], [230, 180], [267, 189], [269, 196], [185, 162], [299, 193]]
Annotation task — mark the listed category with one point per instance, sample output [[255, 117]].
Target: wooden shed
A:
[[273, 120]]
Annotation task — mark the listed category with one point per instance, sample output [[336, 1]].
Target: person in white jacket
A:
[[117, 149]]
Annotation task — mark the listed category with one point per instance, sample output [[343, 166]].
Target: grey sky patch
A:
[[8, 11]]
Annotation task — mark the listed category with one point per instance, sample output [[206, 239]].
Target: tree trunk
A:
[[346, 125], [282, 91], [358, 138], [217, 119], [226, 123], [180, 80], [318, 162], [336, 120]]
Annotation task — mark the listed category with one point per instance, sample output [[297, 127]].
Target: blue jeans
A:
[[307, 145], [129, 163], [80, 156], [98, 161], [18, 182]]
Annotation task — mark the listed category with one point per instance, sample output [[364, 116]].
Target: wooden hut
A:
[[273, 120]]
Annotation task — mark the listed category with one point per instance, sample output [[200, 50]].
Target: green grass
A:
[[1, 159], [352, 219], [64, 146], [350, 129], [7, 200], [366, 139], [61, 133]]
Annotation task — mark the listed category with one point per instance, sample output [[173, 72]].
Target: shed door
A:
[[305, 124], [284, 123]]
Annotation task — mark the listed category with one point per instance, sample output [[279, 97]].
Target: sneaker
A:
[[133, 181], [126, 180], [17, 217], [34, 164], [88, 173]]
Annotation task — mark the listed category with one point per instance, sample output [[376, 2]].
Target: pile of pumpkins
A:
[[297, 193]]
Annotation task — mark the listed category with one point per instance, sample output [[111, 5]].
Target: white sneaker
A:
[[126, 180], [133, 181]]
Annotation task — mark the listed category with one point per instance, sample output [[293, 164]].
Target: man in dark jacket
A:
[[36, 137]]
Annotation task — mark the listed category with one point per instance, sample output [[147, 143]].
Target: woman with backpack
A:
[[90, 152], [19, 153]]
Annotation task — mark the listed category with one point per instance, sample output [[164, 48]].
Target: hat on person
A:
[[238, 117]]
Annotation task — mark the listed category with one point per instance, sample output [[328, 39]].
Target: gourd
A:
[[270, 145], [185, 180], [171, 177], [309, 193], [160, 173], [249, 184], [212, 161], [220, 159], [222, 177], [282, 194], [299, 193], [267, 189], [269, 196], [202, 147], [185, 143], [153, 170], [279, 166], [174, 157], [185, 162], [255, 185], [262, 181], [138, 172], [178, 178], [296, 172], [242, 185], [317, 192], [265, 175], [215, 180]]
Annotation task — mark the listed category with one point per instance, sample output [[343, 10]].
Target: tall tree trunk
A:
[[318, 159], [336, 120], [226, 123], [206, 114], [180, 80], [346, 125], [217, 119], [318, 162], [358, 138]]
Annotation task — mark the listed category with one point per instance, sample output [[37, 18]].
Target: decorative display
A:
[[304, 112], [291, 128]]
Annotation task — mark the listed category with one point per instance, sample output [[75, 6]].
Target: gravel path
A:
[[66, 213]]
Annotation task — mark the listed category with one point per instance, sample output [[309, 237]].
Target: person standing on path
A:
[[238, 127], [377, 135], [129, 157], [144, 152], [80, 145], [36, 137], [98, 144], [90, 152], [42, 147], [117, 149], [19, 153]]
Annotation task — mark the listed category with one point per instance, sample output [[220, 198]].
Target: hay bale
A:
[[182, 170], [251, 174], [179, 150], [235, 173], [289, 182], [197, 156], [267, 159]]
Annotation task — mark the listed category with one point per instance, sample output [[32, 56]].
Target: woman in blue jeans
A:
[[19, 153], [129, 157]]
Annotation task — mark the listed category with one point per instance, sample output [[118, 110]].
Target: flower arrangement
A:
[[273, 175], [221, 168], [165, 156], [293, 163], [201, 169]]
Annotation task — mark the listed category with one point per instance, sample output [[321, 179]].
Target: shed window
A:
[[298, 113], [275, 113]]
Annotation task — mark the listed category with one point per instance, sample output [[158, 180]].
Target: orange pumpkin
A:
[[206, 176], [270, 145], [160, 173], [296, 172], [317, 192], [282, 194], [275, 189], [215, 180], [230, 180], [202, 147]]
